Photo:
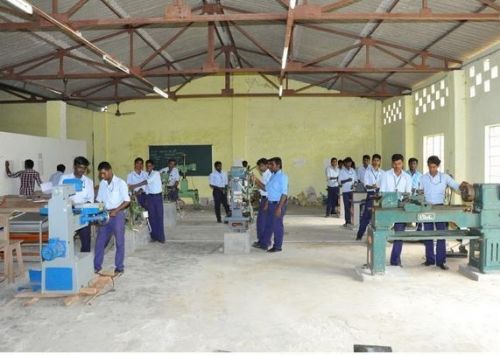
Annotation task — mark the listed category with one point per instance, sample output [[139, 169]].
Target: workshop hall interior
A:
[[249, 175]]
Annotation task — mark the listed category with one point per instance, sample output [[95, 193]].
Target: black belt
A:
[[159, 193], [274, 202]]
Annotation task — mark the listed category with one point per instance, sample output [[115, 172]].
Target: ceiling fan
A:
[[119, 114]]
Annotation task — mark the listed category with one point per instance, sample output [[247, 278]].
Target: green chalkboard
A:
[[201, 155]]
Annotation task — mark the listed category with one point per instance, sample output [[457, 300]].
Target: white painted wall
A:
[[45, 152]]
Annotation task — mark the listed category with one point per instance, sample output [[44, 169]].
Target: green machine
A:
[[184, 190], [480, 223]]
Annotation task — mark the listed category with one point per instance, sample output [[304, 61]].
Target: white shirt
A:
[[134, 178], [373, 177], [345, 175], [87, 193], [266, 176], [54, 178], [218, 179], [114, 193], [415, 179], [154, 183], [435, 187], [361, 173], [393, 183], [173, 175], [332, 172]]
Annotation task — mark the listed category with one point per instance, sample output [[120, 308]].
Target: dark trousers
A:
[[116, 227], [220, 197], [173, 194], [332, 200], [367, 214], [154, 205], [347, 197], [141, 199], [440, 257], [274, 226], [84, 235], [397, 245], [261, 219]]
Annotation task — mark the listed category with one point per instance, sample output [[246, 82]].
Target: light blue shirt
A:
[[87, 193], [114, 193], [393, 183], [435, 187], [54, 178], [133, 178], [373, 177], [266, 176], [277, 186], [345, 175], [361, 173], [218, 179], [154, 183], [415, 179], [332, 172]]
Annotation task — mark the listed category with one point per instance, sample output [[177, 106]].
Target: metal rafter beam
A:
[[96, 24], [490, 3], [74, 9], [337, 5]]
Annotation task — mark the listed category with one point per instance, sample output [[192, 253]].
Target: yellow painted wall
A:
[[305, 132], [24, 119], [80, 125]]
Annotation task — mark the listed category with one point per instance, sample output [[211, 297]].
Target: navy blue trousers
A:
[[397, 245], [84, 235], [154, 205], [440, 257], [141, 199], [261, 219], [116, 227], [347, 197], [367, 214], [332, 200], [274, 226], [220, 197], [173, 194]]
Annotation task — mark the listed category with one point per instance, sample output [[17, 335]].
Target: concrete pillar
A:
[[56, 119], [239, 130], [409, 127]]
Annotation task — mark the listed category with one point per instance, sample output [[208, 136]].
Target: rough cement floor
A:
[[187, 296]]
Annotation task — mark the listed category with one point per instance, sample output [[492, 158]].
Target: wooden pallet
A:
[[86, 294]]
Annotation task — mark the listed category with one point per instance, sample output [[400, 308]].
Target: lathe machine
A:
[[479, 222], [240, 191], [64, 270]]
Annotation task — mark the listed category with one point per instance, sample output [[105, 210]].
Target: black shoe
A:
[[273, 250], [258, 246], [359, 238], [161, 241], [400, 265], [443, 267], [118, 272], [219, 221], [97, 271], [427, 263]]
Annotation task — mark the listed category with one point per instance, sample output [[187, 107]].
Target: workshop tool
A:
[[480, 224], [241, 189]]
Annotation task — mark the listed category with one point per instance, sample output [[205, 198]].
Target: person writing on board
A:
[[28, 177]]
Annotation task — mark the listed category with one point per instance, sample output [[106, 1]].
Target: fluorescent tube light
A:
[[280, 92], [284, 58], [115, 63], [160, 92], [292, 4], [22, 5]]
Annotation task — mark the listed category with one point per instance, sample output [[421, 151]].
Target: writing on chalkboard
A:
[[200, 155]]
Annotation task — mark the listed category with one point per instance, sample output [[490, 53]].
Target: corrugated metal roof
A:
[[308, 43]]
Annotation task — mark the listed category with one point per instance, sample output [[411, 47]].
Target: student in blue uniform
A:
[[434, 184], [154, 201], [80, 165], [372, 181], [261, 215], [277, 195], [332, 185], [113, 192], [347, 177], [396, 180], [218, 183], [137, 176]]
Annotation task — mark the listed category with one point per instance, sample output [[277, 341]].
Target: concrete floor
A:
[[188, 296]]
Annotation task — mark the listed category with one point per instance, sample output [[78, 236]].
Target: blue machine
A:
[[64, 270], [240, 190]]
